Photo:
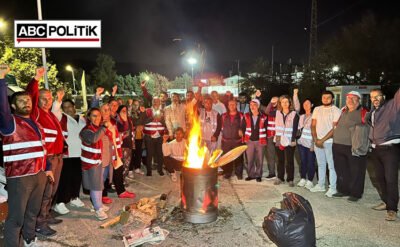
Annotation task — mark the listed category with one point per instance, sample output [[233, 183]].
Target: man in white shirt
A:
[[71, 174], [175, 115], [324, 119], [174, 153]]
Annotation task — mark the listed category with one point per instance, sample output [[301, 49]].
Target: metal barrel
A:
[[199, 194]]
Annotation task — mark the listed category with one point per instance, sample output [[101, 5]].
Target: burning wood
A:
[[145, 209], [199, 192]]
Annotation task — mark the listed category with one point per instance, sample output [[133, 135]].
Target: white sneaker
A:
[[308, 185], [101, 215], [301, 183], [61, 208], [131, 175], [318, 188], [34, 243], [103, 208], [330, 192], [77, 203], [173, 177]]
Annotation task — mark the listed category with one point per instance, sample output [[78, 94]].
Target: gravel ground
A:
[[242, 207]]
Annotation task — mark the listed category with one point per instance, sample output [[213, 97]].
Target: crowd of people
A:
[[52, 152]]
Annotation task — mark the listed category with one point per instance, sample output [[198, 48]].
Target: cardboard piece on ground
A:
[[148, 235]]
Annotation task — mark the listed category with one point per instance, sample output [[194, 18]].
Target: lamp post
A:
[[192, 61], [69, 68]]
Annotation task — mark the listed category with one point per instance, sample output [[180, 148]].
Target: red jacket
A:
[[24, 151], [91, 153], [262, 131], [53, 133], [154, 126]]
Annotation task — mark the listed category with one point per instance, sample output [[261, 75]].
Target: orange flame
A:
[[195, 151]]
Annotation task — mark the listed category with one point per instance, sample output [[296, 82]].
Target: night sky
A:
[[139, 34]]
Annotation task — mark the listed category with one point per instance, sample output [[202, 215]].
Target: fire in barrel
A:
[[199, 178]]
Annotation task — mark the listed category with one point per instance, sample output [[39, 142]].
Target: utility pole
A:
[[272, 62], [313, 31], [46, 83], [238, 70]]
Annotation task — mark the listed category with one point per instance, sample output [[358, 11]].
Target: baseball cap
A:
[[255, 101], [355, 93]]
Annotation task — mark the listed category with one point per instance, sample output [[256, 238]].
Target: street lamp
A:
[[335, 68], [3, 24], [69, 68]]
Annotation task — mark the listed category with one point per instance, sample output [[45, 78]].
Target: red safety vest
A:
[[91, 153], [271, 126], [117, 140], [154, 126], [64, 128], [24, 151], [262, 132], [52, 132]]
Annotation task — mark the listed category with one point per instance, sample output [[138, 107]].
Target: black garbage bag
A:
[[293, 225]]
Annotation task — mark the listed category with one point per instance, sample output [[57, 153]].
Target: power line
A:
[[339, 13]]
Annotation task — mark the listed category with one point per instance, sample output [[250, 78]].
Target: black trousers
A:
[[386, 161], [137, 157], [237, 163], [70, 180], [118, 181], [172, 165], [154, 150], [24, 200], [287, 153], [50, 190], [350, 171]]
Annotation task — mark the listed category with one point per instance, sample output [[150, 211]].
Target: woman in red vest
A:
[[93, 161]]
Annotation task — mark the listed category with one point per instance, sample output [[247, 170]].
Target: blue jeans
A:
[[307, 163], [96, 195], [324, 155]]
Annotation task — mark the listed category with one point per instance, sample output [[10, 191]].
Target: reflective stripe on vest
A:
[[15, 146], [90, 161], [50, 131], [271, 126], [17, 157], [91, 150], [284, 128], [50, 139]]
